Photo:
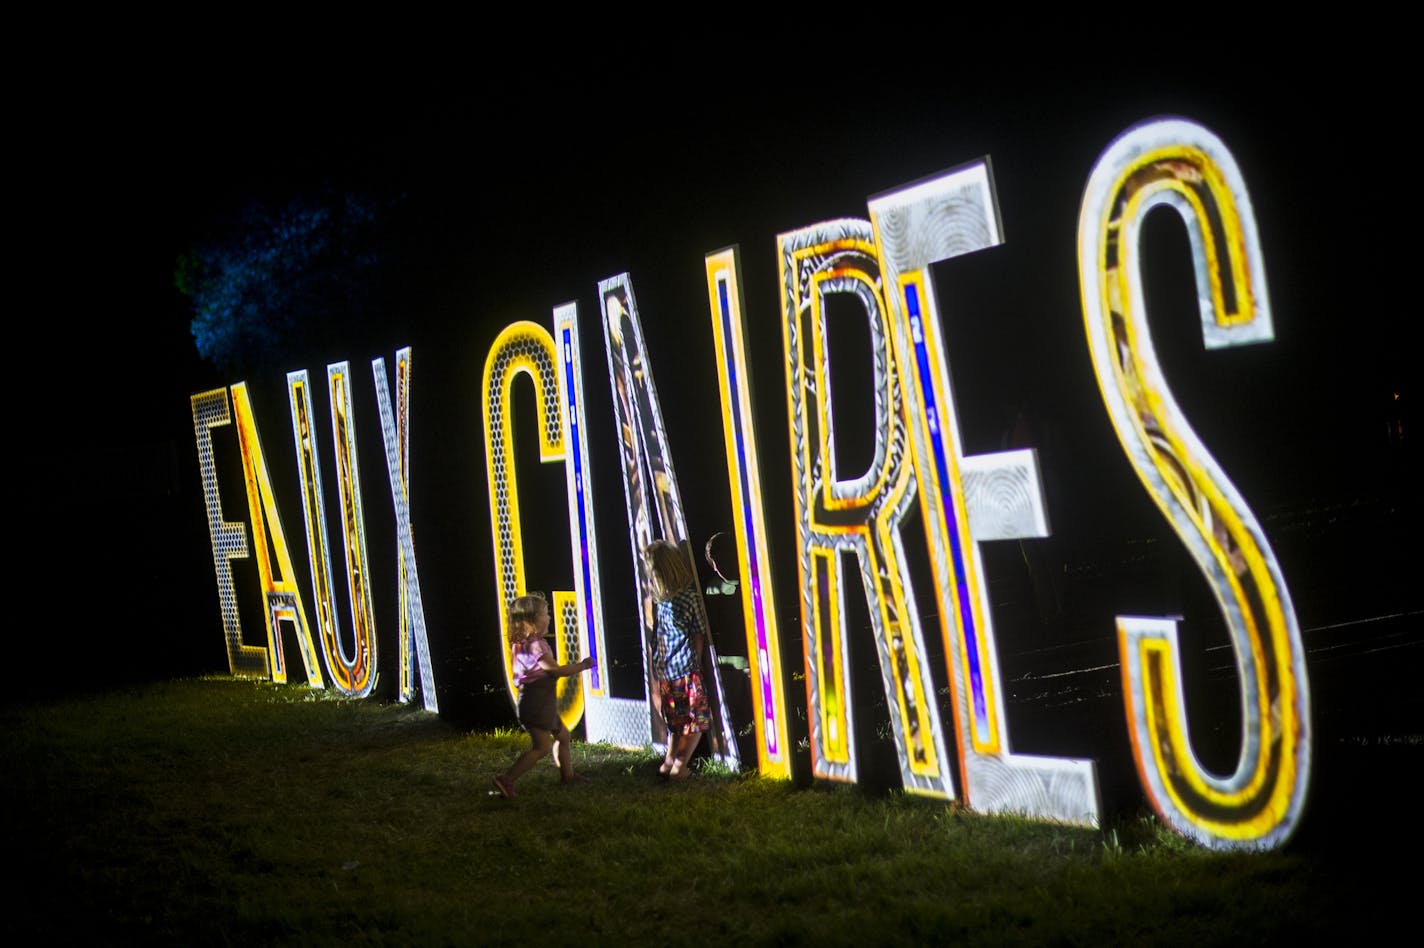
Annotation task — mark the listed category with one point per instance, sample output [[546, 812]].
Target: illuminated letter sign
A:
[[649, 485], [1174, 163], [881, 267], [744, 477], [283, 601], [395, 438], [353, 674], [953, 214], [860, 515], [606, 718], [229, 539], [527, 348]]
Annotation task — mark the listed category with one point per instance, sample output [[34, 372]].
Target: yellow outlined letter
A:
[[1175, 163]]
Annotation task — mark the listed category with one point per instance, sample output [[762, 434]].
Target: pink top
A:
[[526, 661]]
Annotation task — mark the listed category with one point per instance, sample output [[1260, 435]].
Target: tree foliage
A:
[[277, 279]]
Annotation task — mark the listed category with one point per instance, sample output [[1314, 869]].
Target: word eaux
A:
[[353, 670]]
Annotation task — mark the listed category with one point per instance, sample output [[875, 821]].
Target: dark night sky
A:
[[521, 190]]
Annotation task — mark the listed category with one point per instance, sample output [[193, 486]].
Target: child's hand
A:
[[587, 663]]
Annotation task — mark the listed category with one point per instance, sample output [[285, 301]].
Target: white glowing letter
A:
[[395, 438], [229, 539], [606, 718], [952, 214], [649, 484]]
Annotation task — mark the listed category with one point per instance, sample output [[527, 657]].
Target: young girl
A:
[[677, 658], [536, 674]]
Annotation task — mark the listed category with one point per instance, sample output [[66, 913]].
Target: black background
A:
[[522, 185]]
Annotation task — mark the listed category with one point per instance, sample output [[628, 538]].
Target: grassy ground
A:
[[223, 812]]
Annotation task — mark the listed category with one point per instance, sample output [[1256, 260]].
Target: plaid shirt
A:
[[679, 622]]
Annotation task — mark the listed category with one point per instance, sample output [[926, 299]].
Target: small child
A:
[[677, 659], [536, 674]]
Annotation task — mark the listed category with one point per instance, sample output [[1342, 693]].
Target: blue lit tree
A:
[[278, 280]]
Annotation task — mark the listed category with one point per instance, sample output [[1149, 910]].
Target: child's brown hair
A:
[[523, 615], [668, 569]]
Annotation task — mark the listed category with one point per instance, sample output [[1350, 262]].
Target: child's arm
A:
[[546, 662]]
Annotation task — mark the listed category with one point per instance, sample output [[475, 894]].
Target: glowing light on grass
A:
[[525, 348], [858, 515], [650, 488], [395, 438], [1176, 164], [744, 478], [952, 214]]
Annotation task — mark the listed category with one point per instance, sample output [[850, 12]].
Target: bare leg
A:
[[564, 754], [543, 742], [656, 694], [686, 744]]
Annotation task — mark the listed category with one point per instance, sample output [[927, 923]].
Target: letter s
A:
[[1177, 164]]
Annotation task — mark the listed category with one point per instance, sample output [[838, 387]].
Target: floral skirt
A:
[[685, 704]]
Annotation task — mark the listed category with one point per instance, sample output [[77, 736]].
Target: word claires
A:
[[879, 266]]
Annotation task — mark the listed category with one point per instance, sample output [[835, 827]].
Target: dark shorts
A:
[[685, 704], [538, 706]]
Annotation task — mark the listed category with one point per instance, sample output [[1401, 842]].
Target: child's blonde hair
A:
[[668, 569], [523, 613]]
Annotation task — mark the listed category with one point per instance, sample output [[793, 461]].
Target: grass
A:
[[216, 811]]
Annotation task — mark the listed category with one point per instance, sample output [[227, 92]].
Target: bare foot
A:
[[505, 786], [576, 778]]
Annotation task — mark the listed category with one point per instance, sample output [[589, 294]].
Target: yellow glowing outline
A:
[[583, 541], [359, 674], [355, 676], [823, 386], [280, 608], [835, 710], [1155, 164], [948, 596], [1200, 478], [267, 523], [516, 350], [773, 751], [568, 631], [314, 517], [407, 645], [919, 742], [919, 715], [229, 537]]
